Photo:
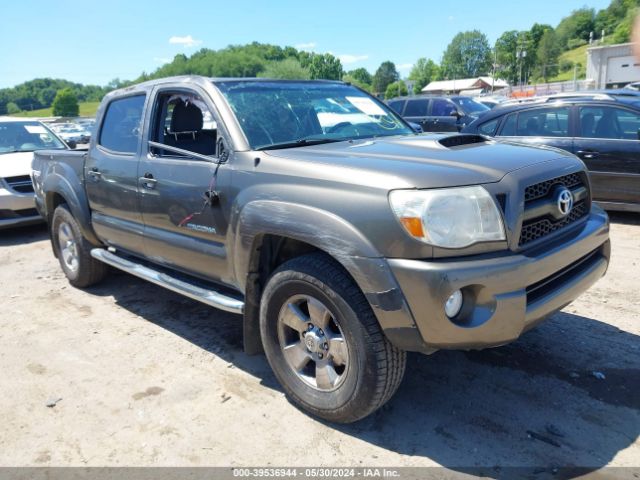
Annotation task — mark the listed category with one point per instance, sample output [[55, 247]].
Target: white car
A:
[[19, 138]]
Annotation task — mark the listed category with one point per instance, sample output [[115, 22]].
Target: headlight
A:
[[448, 217]]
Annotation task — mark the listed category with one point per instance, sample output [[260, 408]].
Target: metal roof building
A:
[[465, 85], [612, 66]]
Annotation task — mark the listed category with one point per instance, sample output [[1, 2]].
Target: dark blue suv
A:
[[439, 114]]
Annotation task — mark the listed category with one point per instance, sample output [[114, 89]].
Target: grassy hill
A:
[[87, 109], [577, 56]]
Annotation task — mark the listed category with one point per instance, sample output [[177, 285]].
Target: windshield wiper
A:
[[302, 142]]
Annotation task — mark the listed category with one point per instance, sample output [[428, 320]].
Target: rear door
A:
[[111, 174], [608, 142], [416, 110], [548, 125], [185, 228]]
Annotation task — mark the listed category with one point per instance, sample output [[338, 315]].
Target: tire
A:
[[344, 378], [73, 250]]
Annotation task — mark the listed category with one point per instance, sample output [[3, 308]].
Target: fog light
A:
[[454, 304]]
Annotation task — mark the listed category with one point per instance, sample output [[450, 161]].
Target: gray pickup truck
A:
[[344, 238]]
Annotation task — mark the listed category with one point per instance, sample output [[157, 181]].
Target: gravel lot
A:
[[146, 377]]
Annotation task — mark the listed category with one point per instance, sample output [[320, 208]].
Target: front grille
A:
[[542, 193], [542, 189], [21, 184]]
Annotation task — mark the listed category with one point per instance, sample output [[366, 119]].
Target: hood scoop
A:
[[453, 141]]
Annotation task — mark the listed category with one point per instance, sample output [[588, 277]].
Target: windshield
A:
[[470, 106], [26, 137], [285, 114]]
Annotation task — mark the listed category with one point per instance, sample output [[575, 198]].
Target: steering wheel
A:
[[339, 126]]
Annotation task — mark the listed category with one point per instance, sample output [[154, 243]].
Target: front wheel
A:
[[324, 343]]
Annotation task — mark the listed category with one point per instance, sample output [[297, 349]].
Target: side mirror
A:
[[72, 144], [455, 113]]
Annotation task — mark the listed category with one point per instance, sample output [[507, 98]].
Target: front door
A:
[[608, 143], [416, 110], [111, 173], [442, 116], [180, 202]]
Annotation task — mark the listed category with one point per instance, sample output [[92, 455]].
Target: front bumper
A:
[[17, 209], [504, 295]]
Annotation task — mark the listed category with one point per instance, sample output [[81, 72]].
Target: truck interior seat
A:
[[186, 130]]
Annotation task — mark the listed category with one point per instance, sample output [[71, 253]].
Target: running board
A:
[[210, 297]]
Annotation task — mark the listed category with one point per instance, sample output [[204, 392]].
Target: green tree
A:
[[423, 72], [467, 56], [385, 74], [396, 89], [324, 66], [547, 55], [506, 56], [578, 25], [65, 104], [361, 75], [622, 32], [289, 68], [12, 108]]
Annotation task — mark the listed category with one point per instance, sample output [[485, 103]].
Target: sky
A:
[[94, 42]]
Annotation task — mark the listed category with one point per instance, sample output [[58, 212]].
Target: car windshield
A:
[[470, 106], [285, 114], [26, 137]]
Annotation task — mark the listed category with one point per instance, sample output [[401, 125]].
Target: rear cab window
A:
[[120, 132]]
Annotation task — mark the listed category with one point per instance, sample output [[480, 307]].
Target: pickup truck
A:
[[342, 237]]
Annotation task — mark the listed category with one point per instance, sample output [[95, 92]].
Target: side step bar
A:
[[210, 297]]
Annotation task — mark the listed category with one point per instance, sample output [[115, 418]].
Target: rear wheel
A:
[[324, 343], [74, 251]]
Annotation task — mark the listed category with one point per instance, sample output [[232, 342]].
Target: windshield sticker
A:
[[366, 105], [35, 129]]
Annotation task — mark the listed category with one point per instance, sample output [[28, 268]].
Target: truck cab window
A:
[[184, 121], [121, 125]]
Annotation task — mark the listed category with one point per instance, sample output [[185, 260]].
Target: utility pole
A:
[[521, 54]]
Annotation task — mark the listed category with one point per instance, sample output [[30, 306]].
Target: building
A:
[[466, 86], [612, 66]]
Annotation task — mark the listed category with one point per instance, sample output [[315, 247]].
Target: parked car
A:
[[491, 101], [438, 114], [602, 129], [74, 134], [344, 238], [635, 86], [18, 140]]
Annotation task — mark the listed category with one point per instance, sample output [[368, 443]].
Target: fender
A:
[[343, 242], [318, 228], [57, 181]]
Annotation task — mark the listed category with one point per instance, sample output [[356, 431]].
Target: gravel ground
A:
[[142, 377]]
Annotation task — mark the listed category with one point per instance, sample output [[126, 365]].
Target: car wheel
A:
[[324, 343], [74, 251]]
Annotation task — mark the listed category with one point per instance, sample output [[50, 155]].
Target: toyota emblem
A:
[[565, 202]]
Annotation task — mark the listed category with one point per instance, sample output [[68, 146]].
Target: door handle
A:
[[588, 153], [148, 181], [95, 174]]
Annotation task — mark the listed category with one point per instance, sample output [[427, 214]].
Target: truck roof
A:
[[201, 80]]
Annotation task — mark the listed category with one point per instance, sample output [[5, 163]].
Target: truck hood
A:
[[421, 161], [15, 164]]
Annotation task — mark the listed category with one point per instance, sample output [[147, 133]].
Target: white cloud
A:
[[186, 41], [306, 46], [162, 60], [347, 59], [404, 66]]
